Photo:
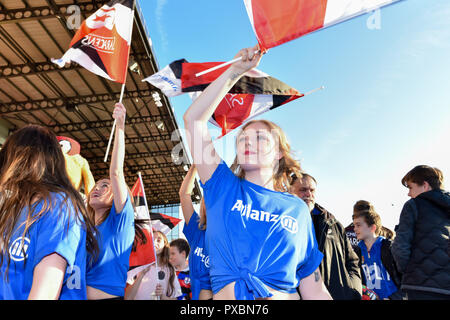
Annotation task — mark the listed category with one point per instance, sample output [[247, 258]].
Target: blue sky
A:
[[386, 103]]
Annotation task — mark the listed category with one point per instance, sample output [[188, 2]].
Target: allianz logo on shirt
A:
[[199, 253], [374, 276], [287, 222], [18, 249]]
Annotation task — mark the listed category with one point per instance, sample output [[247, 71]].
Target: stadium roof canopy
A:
[[78, 104]]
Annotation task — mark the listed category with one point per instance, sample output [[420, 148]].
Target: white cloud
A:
[[159, 22]]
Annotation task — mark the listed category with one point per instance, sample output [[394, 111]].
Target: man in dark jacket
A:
[[339, 268], [421, 248]]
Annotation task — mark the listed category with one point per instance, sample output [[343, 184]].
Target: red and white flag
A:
[[254, 93], [145, 251], [102, 44], [137, 192], [277, 22], [162, 222]]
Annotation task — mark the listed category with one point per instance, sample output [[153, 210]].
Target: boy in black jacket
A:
[[422, 246]]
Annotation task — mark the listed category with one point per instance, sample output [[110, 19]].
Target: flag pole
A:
[[220, 65], [114, 125], [122, 90], [151, 229], [143, 191], [148, 213], [314, 90]]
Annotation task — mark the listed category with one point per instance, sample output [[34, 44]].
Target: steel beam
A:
[[8, 16], [37, 68], [47, 104], [89, 125], [134, 169]]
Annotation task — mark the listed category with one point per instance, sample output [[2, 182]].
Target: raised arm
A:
[[185, 194], [201, 110], [118, 183]]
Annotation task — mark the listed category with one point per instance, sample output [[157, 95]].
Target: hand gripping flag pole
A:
[[123, 87], [222, 65], [114, 126]]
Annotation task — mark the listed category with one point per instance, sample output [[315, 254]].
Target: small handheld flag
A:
[[102, 44], [277, 22], [162, 222], [255, 93], [145, 252]]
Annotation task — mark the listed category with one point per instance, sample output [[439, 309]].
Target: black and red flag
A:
[[102, 44], [137, 192], [162, 222], [255, 93], [145, 251]]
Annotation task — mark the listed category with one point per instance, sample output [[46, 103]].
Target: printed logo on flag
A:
[[99, 43], [18, 249], [102, 18]]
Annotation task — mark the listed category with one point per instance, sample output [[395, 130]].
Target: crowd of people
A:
[[259, 233]]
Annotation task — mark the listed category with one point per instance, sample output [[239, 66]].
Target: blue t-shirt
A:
[[377, 278], [57, 231], [198, 257], [115, 238], [257, 237]]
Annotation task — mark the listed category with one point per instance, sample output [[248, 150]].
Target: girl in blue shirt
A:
[[109, 205], [44, 226], [367, 224], [195, 231], [259, 238]]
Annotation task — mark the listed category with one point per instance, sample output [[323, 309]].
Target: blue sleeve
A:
[[59, 232], [125, 218], [191, 229], [219, 184], [312, 257]]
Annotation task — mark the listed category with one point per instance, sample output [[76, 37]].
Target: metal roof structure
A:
[[78, 104]]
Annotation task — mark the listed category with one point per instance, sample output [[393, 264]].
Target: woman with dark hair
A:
[[110, 206], [260, 238], [45, 232]]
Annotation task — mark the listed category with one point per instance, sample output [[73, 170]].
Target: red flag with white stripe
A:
[[102, 44], [145, 253], [254, 93], [162, 222], [277, 22]]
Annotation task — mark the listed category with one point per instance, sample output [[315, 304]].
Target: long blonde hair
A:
[[286, 167]]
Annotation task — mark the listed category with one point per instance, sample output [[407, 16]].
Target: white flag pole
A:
[[220, 65], [114, 125], [122, 90], [151, 229], [314, 90], [143, 191]]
